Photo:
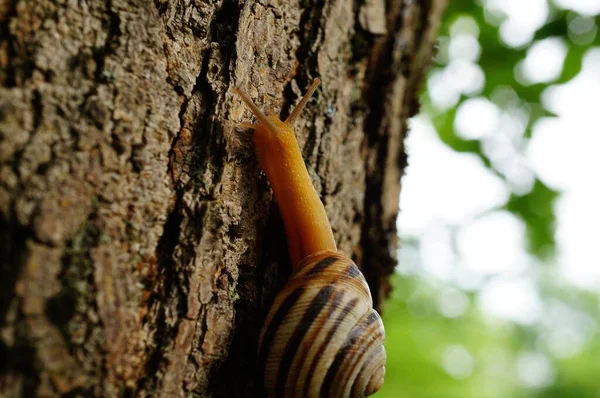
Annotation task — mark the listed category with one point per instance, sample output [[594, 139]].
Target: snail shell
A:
[[322, 336]]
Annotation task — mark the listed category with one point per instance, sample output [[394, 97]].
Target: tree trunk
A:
[[140, 245]]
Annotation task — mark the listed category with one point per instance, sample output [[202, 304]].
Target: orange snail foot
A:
[[376, 381]]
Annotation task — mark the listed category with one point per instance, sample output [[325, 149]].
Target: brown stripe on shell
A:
[[307, 263], [352, 271], [350, 343], [362, 356], [269, 335], [371, 335], [358, 285], [321, 326], [315, 360], [368, 363], [321, 265], [316, 306]]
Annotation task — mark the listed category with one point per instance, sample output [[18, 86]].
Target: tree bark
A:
[[140, 244]]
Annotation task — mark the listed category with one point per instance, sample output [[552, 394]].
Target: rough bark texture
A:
[[139, 243]]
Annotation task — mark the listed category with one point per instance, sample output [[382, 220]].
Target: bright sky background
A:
[[450, 202]]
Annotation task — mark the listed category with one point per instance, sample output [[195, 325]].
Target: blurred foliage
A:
[[491, 355], [536, 209], [498, 62], [419, 336]]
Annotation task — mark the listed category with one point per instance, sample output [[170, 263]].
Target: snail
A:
[[321, 336]]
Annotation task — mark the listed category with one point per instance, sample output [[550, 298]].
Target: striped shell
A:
[[322, 336]]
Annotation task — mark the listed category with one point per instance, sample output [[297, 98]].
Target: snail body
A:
[[322, 336]]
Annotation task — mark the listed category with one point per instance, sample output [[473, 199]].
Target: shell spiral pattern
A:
[[322, 337]]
